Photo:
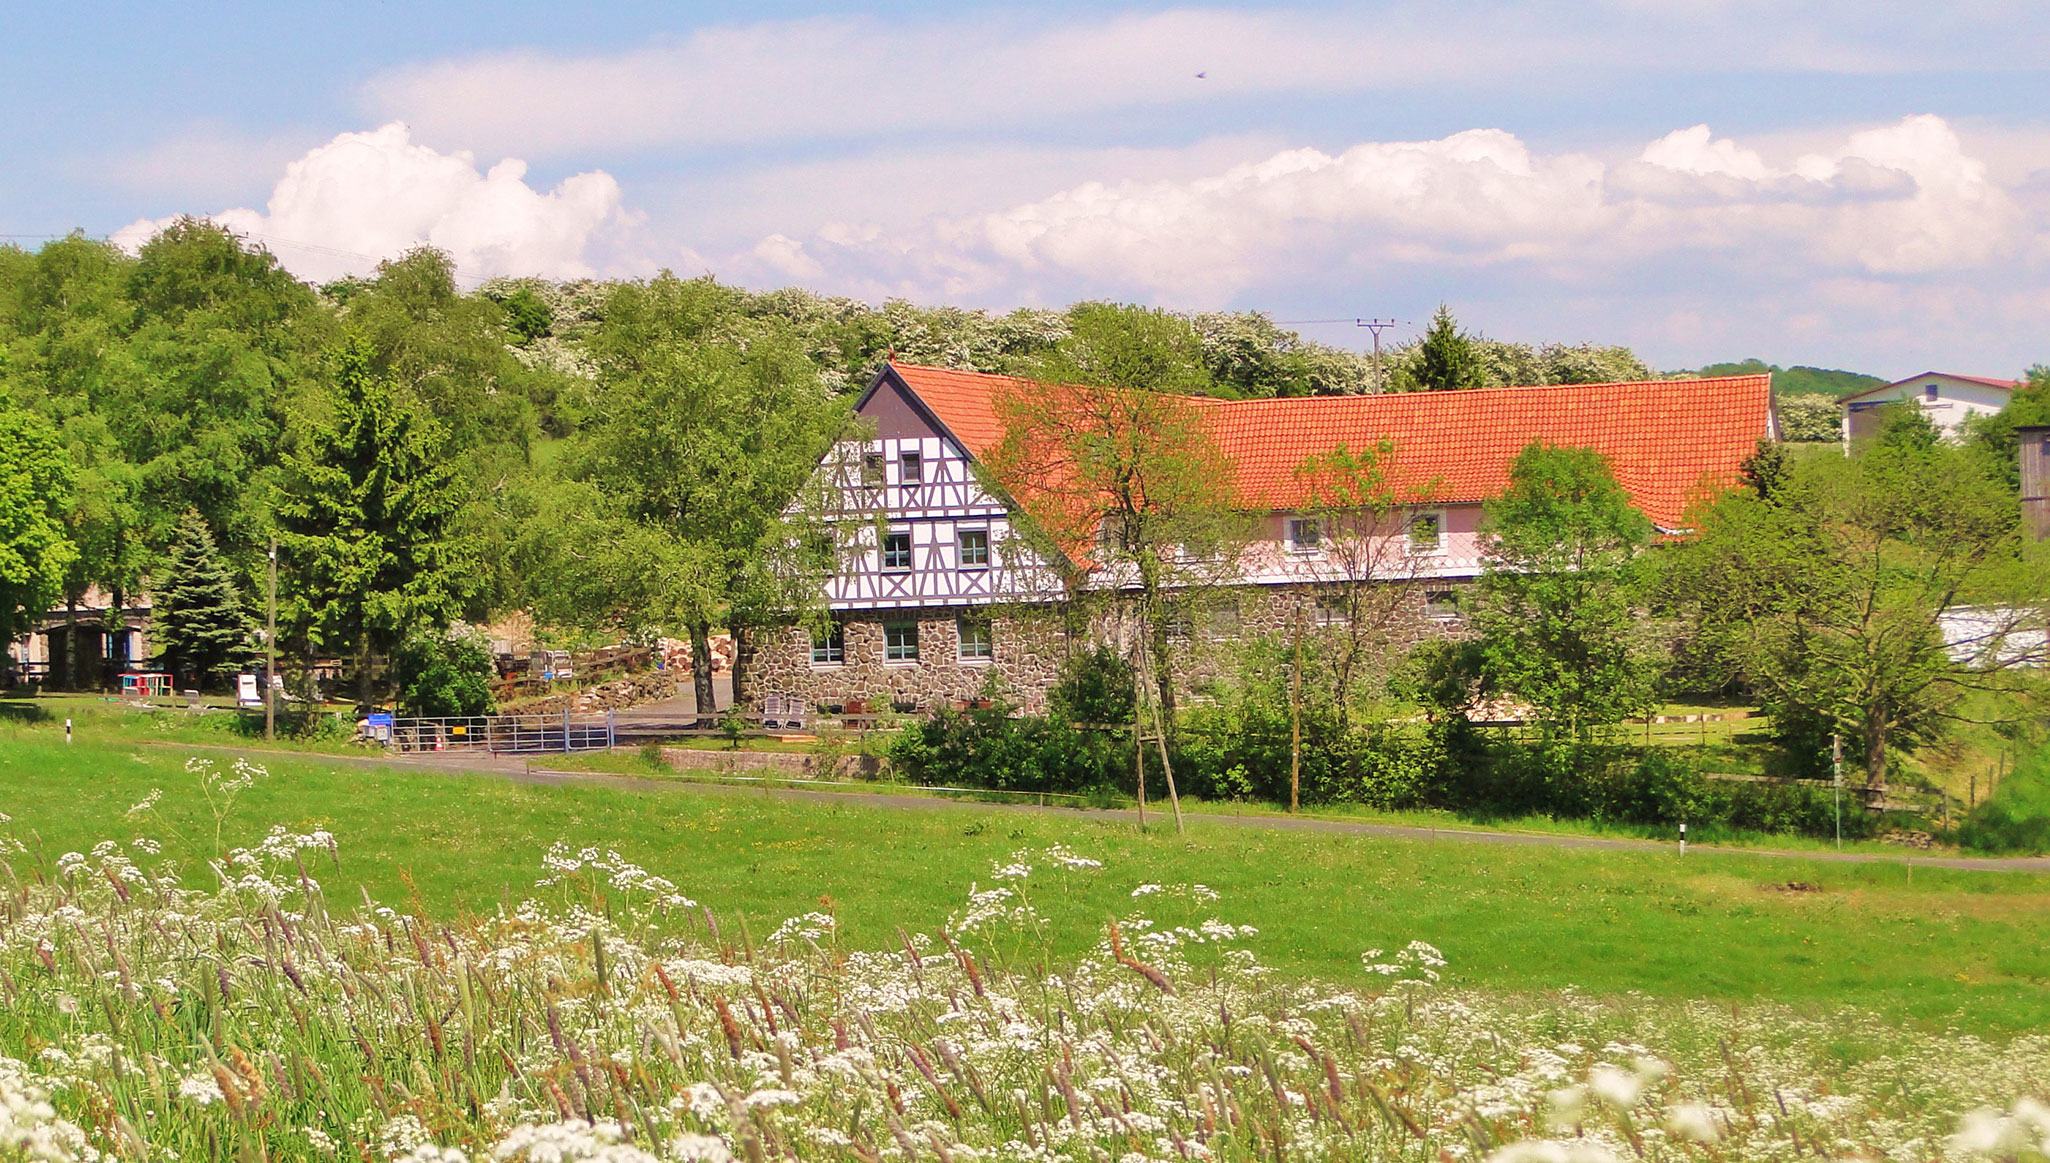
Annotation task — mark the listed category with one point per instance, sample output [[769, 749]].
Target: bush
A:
[[994, 747], [443, 675], [2017, 817]]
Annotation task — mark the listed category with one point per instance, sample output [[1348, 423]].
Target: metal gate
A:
[[500, 734]]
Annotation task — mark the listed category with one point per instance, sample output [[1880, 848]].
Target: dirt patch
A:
[[1791, 886]]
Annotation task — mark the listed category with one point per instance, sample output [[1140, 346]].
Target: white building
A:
[[1946, 398]]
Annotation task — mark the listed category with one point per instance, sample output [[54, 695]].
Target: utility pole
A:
[[270, 650], [1377, 326]]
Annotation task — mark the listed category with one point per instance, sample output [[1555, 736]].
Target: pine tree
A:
[[1446, 360], [367, 537], [198, 616]]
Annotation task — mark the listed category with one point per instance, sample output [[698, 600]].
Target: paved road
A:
[[524, 771]]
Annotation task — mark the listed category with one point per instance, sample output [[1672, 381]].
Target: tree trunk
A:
[[741, 649], [363, 673], [1139, 754], [1295, 726], [1875, 751], [701, 672], [1163, 676]]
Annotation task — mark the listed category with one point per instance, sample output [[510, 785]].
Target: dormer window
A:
[[1304, 534], [910, 468]]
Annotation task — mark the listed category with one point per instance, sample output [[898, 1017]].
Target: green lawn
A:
[[1970, 949]]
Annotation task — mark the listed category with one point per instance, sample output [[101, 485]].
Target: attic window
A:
[[872, 470], [1929, 392], [910, 468]]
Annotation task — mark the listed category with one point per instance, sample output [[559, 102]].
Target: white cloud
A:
[[1901, 200], [832, 78], [826, 78], [369, 196]]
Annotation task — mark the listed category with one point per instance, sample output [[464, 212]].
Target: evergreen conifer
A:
[[1446, 360], [198, 615]]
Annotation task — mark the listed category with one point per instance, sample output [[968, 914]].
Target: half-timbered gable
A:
[[925, 533]]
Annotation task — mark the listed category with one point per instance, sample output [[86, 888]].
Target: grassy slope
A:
[[1968, 949]]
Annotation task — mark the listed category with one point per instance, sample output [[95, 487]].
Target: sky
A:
[[1846, 184]]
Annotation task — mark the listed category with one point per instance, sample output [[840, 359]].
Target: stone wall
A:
[[1027, 648], [1029, 644]]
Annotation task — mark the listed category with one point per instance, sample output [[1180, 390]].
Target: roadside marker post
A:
[[1683, 839], [67, 730]]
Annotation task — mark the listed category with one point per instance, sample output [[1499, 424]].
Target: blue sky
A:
[[1852, 184]]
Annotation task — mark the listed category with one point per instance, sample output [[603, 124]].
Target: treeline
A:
[[427, 454]]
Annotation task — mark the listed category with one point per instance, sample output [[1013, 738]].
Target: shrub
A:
[[443, 674], [2017, 816]]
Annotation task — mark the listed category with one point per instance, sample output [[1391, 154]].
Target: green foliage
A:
[[1122, 345], [1809, 418], [198, 616], [35, 483], [367, 521], [1558, 620], [443, 674], [1823, 597], [1444, 360], [1795, 381], [2016, 818], [526, 316], [1994, 435]]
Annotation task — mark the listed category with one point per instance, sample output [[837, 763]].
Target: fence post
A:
[[611, 728], [565, 730]]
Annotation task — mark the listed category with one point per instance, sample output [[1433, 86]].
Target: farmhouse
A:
[[1946, 398], [938, 591]]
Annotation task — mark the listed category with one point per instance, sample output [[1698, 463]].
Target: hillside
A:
[[1794, 381]]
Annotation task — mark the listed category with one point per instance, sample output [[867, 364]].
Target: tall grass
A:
[[609, 1016], [2017, 816]]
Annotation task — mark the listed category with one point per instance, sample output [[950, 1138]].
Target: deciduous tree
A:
[[1559, 623]]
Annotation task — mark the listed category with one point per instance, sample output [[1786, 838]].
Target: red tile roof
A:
[[1669, 441]]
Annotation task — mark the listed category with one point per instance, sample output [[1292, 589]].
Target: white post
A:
[[67, 730], [1683, 839]]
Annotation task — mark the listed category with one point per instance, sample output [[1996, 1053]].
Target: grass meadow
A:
[[1935, 947]]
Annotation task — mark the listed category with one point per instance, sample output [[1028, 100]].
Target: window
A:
[[974, 548], [974, 638], [829, 649], [1221, 622], [1426, 533], [910, 468], [1303, 534], [872, 470], [900, 642], [1442, 605], [1929, 392], [896, 551], [1331, 611]]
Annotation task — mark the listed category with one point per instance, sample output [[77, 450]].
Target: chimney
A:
[[2035, 466]]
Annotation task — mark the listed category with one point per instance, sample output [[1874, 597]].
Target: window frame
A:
[[900, 653], [1437, 544], [987, 638], [1293, 539], [961, 537], [884, 552], [872, 470], [1448, 611], [910, 467], [833, 647]]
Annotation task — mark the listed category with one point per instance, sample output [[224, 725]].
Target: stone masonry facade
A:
[[1028, 644]]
